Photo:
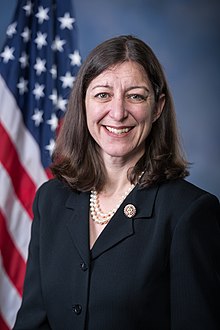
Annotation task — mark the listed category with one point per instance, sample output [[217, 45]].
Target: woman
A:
[[119, 239]]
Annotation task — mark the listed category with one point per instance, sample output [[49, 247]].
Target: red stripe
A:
[[49, 173], [3, 325], [13, 262], [60, 123], [22, 182]]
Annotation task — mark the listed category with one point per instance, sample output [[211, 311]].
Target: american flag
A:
[[38, 65]]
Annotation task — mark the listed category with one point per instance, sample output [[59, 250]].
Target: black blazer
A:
[[157, 271]]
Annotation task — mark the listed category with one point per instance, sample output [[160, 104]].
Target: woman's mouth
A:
[[118, 131]]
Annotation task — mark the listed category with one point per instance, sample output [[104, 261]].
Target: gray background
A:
[[185, 37]]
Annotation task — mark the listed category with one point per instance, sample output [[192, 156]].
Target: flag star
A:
[[61, 103], [53, 97], [53, 71], [11, 30], [41, 40], [22, 86], [40, 66], [50, 147], [53, 122], [38, 91], [28, 8], [75, 58], [66, 21], [26, 34], [58, 44], [37, 117], [24, 60], [7, 54], [42, 14], [67, 80]]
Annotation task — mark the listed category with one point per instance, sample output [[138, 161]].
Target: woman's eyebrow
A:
[[128, 89], [101, 86], [138, 87]]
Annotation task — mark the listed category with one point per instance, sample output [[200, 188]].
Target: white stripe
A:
[[10, 300], [26, 146], [17, 219]]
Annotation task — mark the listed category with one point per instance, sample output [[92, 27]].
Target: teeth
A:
[[117, 131]]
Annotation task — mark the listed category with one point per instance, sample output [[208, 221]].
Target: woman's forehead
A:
[[128, 70]]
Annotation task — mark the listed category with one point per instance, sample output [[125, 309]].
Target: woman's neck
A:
[[117, 179], [117, 169]]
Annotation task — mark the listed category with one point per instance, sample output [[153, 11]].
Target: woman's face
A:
[[120, 110]]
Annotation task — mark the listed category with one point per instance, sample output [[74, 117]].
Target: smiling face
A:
[[120, 110]]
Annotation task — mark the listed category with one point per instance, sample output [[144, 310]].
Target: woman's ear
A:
[[159, 106]]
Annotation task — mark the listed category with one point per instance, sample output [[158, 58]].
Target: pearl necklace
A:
[[97, 214]]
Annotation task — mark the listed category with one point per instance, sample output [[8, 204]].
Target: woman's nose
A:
[[118, 110]]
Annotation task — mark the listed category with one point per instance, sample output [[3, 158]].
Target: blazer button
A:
[[83, 266], [77, 309]]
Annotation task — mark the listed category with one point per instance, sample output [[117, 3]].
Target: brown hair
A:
[[76, 158]]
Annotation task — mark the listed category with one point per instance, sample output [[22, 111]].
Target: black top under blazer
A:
[[159, 270]]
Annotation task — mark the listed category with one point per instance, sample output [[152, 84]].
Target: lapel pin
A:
[[130, 210]]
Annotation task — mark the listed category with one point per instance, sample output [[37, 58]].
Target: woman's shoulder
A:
[[181, 200], [53, 185], [54, 190], [184, 191]]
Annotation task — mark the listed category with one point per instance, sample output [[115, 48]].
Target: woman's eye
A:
[[102, 96], [137, 97]]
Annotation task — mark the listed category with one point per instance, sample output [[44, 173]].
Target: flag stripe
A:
[[10, 160], [12, 261], [10, 300], [11, 208], [3, 325], [25, 144]]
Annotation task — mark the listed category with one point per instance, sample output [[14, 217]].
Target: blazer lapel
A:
[[120, 227], [78, 224], [144, 200]]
